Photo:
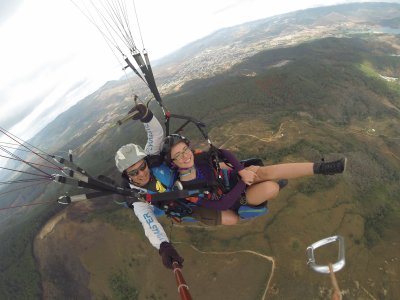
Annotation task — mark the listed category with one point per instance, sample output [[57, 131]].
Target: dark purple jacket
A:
[[227, 200]]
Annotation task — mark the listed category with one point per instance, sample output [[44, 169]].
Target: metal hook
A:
[[325, 269]]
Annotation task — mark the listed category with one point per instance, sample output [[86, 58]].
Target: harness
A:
[[162, 180], [219, 182], [215, 182]]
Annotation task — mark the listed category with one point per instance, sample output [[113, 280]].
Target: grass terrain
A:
[[307, 210], [128, 261], [17, 264], [327, 101]]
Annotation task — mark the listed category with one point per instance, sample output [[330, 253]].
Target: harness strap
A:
[[174, 195], [225, 176], [199, 184]]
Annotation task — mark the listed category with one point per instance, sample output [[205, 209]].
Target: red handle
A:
[[183, 288]]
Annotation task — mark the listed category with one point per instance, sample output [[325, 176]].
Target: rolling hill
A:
[[319, 83]]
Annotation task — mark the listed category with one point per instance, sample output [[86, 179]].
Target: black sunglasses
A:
[[135, 172]]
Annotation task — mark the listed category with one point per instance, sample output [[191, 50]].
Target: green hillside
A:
[[324, 98]]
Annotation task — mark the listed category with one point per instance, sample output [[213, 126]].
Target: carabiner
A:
[[337, 266]]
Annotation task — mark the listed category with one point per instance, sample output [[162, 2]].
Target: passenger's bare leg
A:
[[229, 217], [260, 192], [284, 171]]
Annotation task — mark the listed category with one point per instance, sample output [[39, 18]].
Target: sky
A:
[[52, 56]]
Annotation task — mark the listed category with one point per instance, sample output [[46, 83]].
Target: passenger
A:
[[259, 183]]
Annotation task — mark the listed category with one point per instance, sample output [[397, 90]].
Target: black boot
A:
[[330, 168], [282, 183]]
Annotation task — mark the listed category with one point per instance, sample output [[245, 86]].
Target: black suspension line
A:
[[128, 26], [104, 27], [118, 13], [137, 23], [24, 161], [26, 205], [12, 144], [114, 16], [36, 164], [25, 145], [109, 26], [25, 180], [21, 142], [109, 39], [16, 148], [27, 186]]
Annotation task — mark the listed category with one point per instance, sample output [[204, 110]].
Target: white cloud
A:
[[46, 45]]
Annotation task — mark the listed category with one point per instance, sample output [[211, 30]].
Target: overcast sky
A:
[[52, 56]]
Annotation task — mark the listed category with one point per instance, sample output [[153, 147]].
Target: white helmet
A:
[[128, 155]]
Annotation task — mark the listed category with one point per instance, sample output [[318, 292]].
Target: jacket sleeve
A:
[[227, 200], [155, 136], [231, 158], [152, 228]]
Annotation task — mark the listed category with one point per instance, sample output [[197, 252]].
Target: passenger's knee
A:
[[228, 217], [271, 190]]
